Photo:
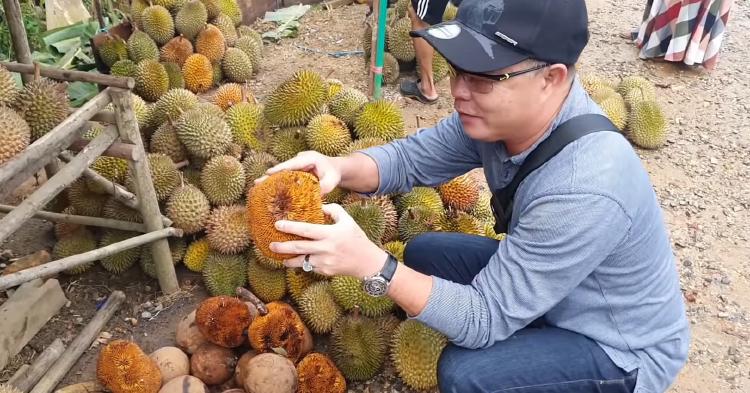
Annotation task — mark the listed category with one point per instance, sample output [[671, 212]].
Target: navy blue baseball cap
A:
[[489, 35]]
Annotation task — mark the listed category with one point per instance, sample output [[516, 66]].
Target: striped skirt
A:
[[689, 31]]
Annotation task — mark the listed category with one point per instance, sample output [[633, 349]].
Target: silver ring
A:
[[306, 265]]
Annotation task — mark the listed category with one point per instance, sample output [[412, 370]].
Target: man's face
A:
[[499, 113]]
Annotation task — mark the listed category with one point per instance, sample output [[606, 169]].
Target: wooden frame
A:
[[59, 142]]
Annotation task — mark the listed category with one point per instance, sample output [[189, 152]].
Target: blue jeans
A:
[[536, 359]]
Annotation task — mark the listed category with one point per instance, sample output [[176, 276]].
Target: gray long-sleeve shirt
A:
[[587, 246]]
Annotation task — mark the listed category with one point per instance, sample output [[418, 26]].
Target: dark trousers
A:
[[537, 359]]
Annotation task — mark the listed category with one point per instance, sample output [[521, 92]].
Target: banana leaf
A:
[[80, 92]]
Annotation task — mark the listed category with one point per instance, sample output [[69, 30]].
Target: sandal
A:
[[411, 89]]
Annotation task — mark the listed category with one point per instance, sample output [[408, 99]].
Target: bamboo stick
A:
[[80, 344], [54, 267], [45, 149], [18, 35], [40, 366], [125, 151], [19, 375], [67, 175], [144, 188], [72, 76], [126, 197], [83, 220]]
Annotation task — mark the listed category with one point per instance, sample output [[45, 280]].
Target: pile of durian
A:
[[399, 46], [631, 104], [29, 112], [190, 44]]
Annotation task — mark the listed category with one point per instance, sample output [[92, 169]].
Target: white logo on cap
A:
[[506, 38], [447, 32]]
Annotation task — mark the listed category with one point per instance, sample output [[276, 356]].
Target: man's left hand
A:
[[338, 249]]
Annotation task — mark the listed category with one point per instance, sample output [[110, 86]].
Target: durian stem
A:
[[80, 344], [248, 296]]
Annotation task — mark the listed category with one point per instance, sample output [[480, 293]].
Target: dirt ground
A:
[[701, 177]]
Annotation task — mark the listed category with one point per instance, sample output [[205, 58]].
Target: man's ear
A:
[[556, 75]]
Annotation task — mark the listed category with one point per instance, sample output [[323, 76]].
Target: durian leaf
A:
[[43, 57], [83, 30], [66, 46], [80, 92]]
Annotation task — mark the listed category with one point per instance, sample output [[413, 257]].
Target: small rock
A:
[[726, 280], [733, 351], [3, 266], [722, 315], [146, 315], [158, 307], [79, 320], [132, 321]]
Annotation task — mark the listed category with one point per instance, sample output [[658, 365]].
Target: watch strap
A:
[[391, 263]]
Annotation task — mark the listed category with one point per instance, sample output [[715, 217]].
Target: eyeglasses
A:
[[483, 83]]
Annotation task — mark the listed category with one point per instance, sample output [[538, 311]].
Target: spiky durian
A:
[[177, 50], [253, 49], [122, 367], [142, 47], [43, 104], [198, 73], [111, 168], [191, 18], [256, 163], [223, 180], [287, 142], [380, 119], [165, 141], [245, 120], [188, 208], [157, 22], [417, 220], [361, 144], [400, 44], [319, 308], [298, 280], [267, 283], [296, 100], [174, 73], [286, 195], [236, 65], [420, 196], [151, 80], [282, 328], [210, 43], [369, 217], [212, 8], [146, 261], [327, 134], [124, 67], [85, 202], [460, 193], [349, 294], [222, 320], [222, 273], [226, 229], [646, 125], [358, 347], [75, 243], [396, 248], [462, 222], [196, 254], [164, 175], [415, 350], [316, 372], [123, 260], [347, 104], [231, 9], [227, 95], [387, 210], [204, 134], [8, 87], [112, 49], [16, 134], [632, 82], [615, 109], [63, 229], [225, 25]]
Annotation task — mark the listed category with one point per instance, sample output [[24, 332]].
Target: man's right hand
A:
[[324, 167]]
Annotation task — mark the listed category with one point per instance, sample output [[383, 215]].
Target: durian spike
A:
[[246, 295]]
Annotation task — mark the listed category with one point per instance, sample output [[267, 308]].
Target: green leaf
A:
[[66, 62], [80, 92], [43, 57], [83, 30], [66, 46]]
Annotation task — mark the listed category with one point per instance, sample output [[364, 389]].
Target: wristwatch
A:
[[377, 285]]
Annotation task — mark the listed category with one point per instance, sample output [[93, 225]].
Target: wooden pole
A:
[[40, 366], [18, 35], [70, 75], [80, 344], [373, 46], [54, 267], [46, 148], [144, 189], [83, 220], [125, 151], [124, 196], [67, 175]]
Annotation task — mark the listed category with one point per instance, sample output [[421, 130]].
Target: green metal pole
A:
[[379, 53]]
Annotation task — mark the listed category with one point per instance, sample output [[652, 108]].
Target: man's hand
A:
[[320, 165], [338, 249]]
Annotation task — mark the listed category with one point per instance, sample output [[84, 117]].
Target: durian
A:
[[223, 180], [111, 168], [8, 87], [75, 243], [415, 350], [380, 119], [460, 193], [123, 367], [327, 134], [203, 133], [164, 140], [43, 103], [151, 80], [141, 47], [298, 280], [188, 208], [286, 195], [647, 125], [196, 255], [369, 217], [190, 19], [361, 144], [253, 49], [222, 320], [267, 283], [210, 43], [417, 220], [114, 209], [85, 202], [296, 100], [177, 50], [615, 109], [281, 327], [16, 134], [231, 9], [174, 73], [396, 248], [358, 347], [226, 229], [318, 307], [287, 142], [316, 373], [420, 196], [256, 163], [164, 176], [198, 73], [157, 22], [124, 67], [400, 44], [112, 49], [225, 25], [227, 95], [349, 294], [222, 273], [346, 104], [236, 65], [123, 260], [245, 119]]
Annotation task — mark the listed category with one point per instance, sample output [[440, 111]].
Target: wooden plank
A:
[[41, 364], [16, 171], [124, 196], [36, 259], [25, 313], [54, 267], [67, 175], [144, 189], [81, 343], [18, 34], [83, 220], [71, 75], [125, 151]]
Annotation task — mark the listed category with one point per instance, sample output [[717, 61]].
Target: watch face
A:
[[375, 286]]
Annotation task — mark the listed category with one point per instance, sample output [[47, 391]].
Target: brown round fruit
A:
[[213, 364], [269, 372], [239, 371], [189, 337], [172, 362], [184, 384]]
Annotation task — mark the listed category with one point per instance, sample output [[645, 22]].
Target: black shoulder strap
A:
[[568, 131]]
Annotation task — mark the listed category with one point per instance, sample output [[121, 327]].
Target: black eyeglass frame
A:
[[502, 77]]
